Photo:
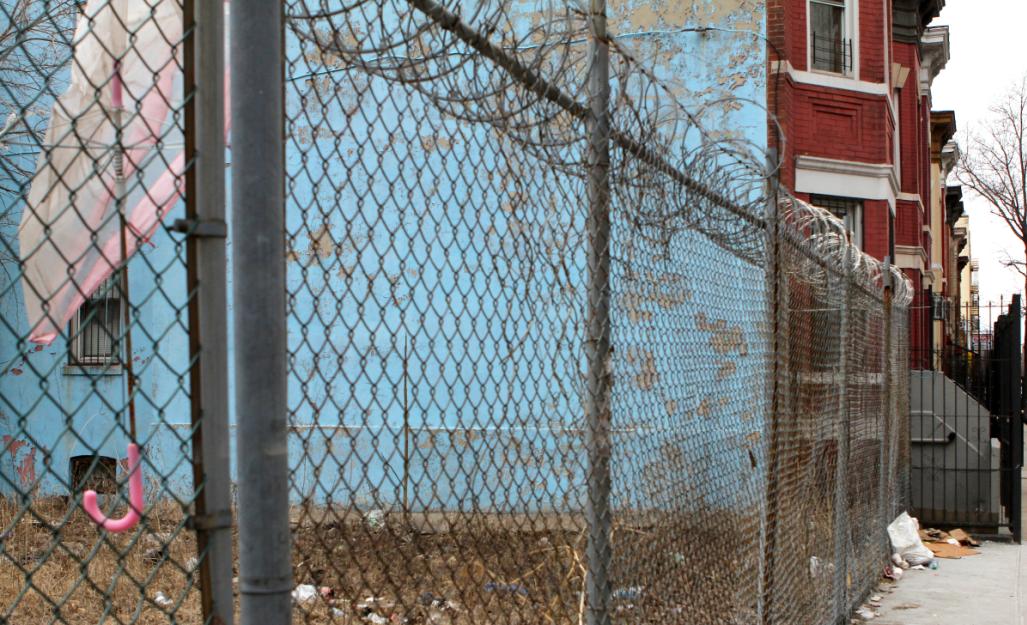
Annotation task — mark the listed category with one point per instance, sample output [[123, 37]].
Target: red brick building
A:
[[850, 89]]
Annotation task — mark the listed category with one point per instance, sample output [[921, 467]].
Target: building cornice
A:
[[953, 204], [943, 129], [949, 157], [830, 81], [911, 17], [910, 257], [826, 176], [936, 54]]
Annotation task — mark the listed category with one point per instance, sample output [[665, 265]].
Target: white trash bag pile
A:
[[904, 533]]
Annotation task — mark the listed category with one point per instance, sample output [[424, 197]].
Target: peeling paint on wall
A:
[[723, 339], [512, 296], [23, 459]]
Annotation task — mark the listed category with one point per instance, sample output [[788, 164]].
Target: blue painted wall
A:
[[436, 278], [50, 411], [439, 308]]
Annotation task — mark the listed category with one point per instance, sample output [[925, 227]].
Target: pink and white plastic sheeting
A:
[[69, 237]]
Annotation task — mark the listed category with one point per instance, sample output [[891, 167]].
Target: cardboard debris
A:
[[964, 538], [933, 535], [955, 538], [950, 551]]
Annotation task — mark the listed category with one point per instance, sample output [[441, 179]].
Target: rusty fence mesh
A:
[[559, 348], [838, 474], [547, 366]]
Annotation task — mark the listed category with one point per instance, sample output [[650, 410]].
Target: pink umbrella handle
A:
[[135, 498]]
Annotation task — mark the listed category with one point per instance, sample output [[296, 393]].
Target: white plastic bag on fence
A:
[[904, 533]]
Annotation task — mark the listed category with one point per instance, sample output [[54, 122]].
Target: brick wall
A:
[[913, 123], [908, 225], [919, 323], [875, 227], [838, 124], [850, 125], [872, 52]]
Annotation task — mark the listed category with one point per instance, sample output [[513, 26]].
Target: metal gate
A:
[[965, 417]]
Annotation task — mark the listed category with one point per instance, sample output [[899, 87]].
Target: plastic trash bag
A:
[[304, 593], [904, 533]]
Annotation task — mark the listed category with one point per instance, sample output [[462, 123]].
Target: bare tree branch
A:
[[1018, 265], [35, 51], [993, 164]]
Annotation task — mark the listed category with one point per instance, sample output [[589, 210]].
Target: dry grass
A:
[[55, 566], [473, 570], [480, 570]]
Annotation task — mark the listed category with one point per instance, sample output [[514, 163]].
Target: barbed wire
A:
[[440, 168]]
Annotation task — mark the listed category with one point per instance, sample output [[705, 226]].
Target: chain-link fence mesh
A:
[[836, 475], [530, 378], [559, 349], [95, 353]]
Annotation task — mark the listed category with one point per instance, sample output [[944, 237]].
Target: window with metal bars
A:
[[941, 308], [830, 47], [95, 329], [850, 211]]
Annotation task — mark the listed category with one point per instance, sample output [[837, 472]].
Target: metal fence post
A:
[[208, 306], [887, 407], [777, 312], [258, 227], [597, 346], [841, 498], [1015, 384]]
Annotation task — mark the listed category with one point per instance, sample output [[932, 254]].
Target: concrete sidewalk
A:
[[987, 589]]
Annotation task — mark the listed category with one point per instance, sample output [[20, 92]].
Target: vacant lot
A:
[[455, 569]]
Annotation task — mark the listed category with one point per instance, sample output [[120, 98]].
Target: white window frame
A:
[[109, 292], [850, 26]]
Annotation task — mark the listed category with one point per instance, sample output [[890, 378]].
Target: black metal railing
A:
[[831, 54], [965, 419]]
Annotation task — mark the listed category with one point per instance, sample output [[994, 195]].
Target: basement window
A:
[[100, 477]]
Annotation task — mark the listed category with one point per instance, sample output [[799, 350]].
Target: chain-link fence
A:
[[555, 347], [838, 441], [533, 349], [99, 358]]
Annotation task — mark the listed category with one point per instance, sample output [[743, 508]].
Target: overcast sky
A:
[[989, 53]]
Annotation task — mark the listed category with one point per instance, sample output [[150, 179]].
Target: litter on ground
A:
[[162, 600], [304, 593], [866, 613], [950, 545], [906, 542]]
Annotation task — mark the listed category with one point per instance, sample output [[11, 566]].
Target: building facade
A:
[[850, 90], [941, 279]]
